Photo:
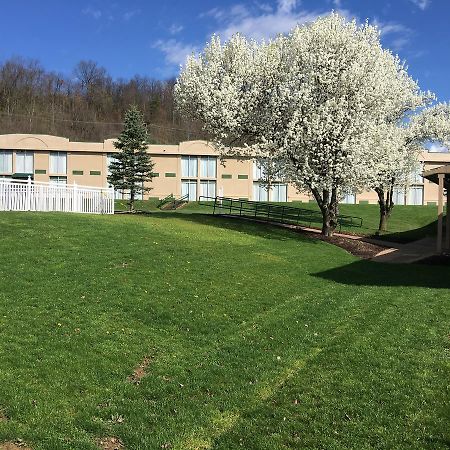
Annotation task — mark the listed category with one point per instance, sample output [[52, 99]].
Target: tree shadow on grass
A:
[[259, 229], [409, 235], [368, 273]]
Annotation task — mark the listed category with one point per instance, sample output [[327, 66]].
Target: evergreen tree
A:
[[132, 167]]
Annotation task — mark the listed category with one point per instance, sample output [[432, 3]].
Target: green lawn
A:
[[257, 338], [407, 223]]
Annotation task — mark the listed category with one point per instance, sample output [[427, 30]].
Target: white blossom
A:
[[325, 102]]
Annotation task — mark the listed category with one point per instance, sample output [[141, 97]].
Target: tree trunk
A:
[[385, 201], [330, 211], [131, 201]]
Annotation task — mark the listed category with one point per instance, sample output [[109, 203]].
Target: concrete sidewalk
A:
[[408, 253]]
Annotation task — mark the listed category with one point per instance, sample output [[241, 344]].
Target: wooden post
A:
[[447, 220], [440, 211]]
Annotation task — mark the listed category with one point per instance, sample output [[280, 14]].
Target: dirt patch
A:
[[140, 371], [357, 247], [110, 443], [3, 416], [18, 445]]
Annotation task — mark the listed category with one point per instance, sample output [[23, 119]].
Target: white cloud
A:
[[397, 34], [175, 51], [94, 13], [437, 148], [422, 4], [174, 29], [286, 6], [127, 15], [262, 22]]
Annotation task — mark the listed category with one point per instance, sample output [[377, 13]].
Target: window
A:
[[415, 195], [279, 192], [189, 166], [398, 196], [24, 162], [5, 162], [258, 171], [208, 166], [58, 162], [260, 193], [349, 198], [189, 187], [58, 180], [207, 188], [118, 195], [416, 175]]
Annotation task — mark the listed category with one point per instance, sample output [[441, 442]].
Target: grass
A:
[[258, 338], [407, 223]]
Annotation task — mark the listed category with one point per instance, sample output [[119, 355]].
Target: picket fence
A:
[[28, 195]]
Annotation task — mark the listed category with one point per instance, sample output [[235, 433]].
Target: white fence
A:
[[28, 195]]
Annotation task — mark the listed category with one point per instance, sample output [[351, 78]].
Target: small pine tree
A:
[[132, 167]]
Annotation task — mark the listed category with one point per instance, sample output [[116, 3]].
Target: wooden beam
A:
[[440, 212], [447, 220]]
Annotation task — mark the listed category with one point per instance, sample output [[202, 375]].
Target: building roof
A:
[[45, 142], [433, 175]]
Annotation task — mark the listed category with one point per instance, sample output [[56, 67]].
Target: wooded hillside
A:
[[88, 105]]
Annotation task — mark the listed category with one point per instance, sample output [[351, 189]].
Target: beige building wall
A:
[[87, 164]]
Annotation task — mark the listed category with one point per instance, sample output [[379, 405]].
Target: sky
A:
[[152, 38]]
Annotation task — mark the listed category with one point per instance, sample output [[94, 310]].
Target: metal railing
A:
[[272, 212], [171, 202], [165, 200]]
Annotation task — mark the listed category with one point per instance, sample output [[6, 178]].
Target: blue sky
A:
[[153, 37]]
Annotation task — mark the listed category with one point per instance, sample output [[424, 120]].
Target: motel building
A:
[[190, 168]]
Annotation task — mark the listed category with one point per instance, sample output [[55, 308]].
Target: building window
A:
[[416, 175], [189, 166], [415, 195], [189, 188], [58, 162], [5, 162], [58, 180], [110, 157], [398, 196], [207, 188], [260, 193], [259, 172], [24, 162], [208, 166], [279, 192], [349, 198]]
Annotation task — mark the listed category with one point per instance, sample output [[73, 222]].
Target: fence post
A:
[[75, 197], [112, 198], [28, 200]]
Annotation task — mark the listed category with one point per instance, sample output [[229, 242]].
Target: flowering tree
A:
[[312, 100], [397, 149]]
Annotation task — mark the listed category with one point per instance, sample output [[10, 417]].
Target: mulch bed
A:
[[357, 247]]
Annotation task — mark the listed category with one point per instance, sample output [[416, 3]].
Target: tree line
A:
[[88, 104]]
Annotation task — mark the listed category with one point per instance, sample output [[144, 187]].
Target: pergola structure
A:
[[441, 176]]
